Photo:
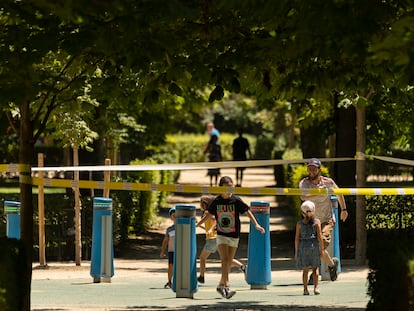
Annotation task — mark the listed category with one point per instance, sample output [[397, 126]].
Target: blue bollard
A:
[[259, 272], [185, 251], [12, 211], [336, 248], [102, 257], [333, 247]]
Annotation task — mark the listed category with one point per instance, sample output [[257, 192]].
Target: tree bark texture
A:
[[26, 156], [361, 228]]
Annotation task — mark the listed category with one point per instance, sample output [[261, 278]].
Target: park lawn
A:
[[47, 190]]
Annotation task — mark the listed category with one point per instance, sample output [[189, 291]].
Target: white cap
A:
[[307, 206]]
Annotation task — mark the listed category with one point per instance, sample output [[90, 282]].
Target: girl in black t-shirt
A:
[[226, 208]]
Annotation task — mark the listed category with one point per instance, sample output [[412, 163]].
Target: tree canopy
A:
[[154, 61]]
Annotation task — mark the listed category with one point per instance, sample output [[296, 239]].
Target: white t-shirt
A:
[[323, 204]]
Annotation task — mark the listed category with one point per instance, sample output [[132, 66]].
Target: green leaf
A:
[[175, 89], [216, 94]]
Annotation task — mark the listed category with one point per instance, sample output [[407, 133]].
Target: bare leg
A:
[[203, 258], [305, 280], [241, 177], [170, 272], [236, 263], [226, 255], [315, 280], [327, 258]]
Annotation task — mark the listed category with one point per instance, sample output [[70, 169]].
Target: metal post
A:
[[185, 261], [333, 248], [102, 258], [259, 273], [12, 211]]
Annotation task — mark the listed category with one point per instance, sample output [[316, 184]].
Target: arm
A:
[[297, 235], [212, 229], [254, 221], [203, 219], [249, 152], [303, 197], [343, 211], [164, 246]]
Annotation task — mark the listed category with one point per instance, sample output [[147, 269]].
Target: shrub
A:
[[190, 146], [390, 252], [390, 283], [144, 203], [12, 261]]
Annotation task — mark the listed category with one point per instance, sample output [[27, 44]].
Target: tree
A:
[[157, 55], [73, 132]]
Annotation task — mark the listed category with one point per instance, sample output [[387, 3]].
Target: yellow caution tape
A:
[[88, 184], [14, 168]]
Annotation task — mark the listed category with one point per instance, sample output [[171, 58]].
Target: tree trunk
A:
[[361, 229], [26, 156], [312, 141], [344, 172]]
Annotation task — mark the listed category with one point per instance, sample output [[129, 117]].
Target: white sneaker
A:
[[229, 292]]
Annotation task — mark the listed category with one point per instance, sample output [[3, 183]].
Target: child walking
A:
[[308, 245], [226, 208], [168, 243], [211, 240]]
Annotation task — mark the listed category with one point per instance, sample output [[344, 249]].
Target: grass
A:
[[16, 190]]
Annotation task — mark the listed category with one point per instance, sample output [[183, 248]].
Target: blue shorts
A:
[[210, 246]]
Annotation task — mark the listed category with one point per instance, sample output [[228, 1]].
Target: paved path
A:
[[138, 284]]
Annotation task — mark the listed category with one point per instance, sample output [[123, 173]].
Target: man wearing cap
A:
[[324, 211]]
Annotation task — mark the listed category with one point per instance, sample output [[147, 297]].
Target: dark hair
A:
[[225, 180]]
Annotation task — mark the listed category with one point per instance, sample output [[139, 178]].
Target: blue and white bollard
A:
[[333, 248], [185, 251], [336, 246], [102, 258], [259, 271], [12, 211]]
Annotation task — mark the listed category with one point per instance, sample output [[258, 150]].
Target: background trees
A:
[[146, 68]]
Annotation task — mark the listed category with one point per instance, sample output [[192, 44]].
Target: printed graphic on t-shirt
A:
[[226, 218]]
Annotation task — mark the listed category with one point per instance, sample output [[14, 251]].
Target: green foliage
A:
[[168, 176], [122, 212], [73, 131], [390, 283], [145, 203], [12, 258], [135, 211], [390, 212], [190, 146], [390, 253], [264, 148]]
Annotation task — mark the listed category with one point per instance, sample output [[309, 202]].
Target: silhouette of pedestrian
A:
[[241, 147]]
